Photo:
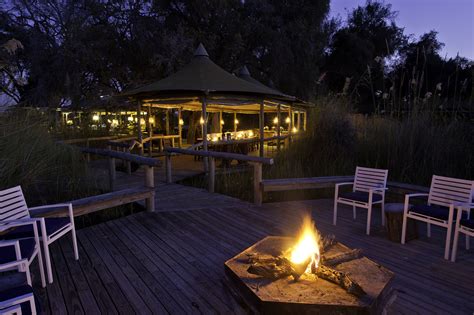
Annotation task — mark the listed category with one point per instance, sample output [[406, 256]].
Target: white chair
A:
[[13, 207], [368, 189], [445, 195], [27, 248], [17, 298], [465, 226]]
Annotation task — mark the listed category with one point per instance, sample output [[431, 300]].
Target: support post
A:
[[290, 125], [298, 125], [261, 123], [204, 131], [150, 182], [168, 168], [150, 133], [304, 120], [221, 118], [278, 127], [167, 122], [257, 184], [235, 121], [139, 126], [88, 155], [180, 129], [212, 174]]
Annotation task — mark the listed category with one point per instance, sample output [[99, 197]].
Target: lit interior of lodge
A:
[[203, 106]]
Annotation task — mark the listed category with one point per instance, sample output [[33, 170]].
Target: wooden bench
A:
[[104, 201]]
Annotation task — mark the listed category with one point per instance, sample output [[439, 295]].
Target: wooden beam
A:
[[290, 125], [298, 126], [221, 119], [278, 127], [150, 133], [180, 128], [150, 183], [204, 130], [235, 122], [305, 114], [167, 121], [122, 156], [261, 126], [221, 155], [257, 180], [139, 126]]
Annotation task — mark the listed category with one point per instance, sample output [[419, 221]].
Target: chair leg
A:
[[74, 243], [467, 242], [28, 275], [334, 219], [428, 229], [41, 267], [448, 242], [455, 244], [47, 258], [382, 206], [354, 215], [369, 217], [404, 228]]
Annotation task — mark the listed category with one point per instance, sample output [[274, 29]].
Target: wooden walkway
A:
[[172, 261]]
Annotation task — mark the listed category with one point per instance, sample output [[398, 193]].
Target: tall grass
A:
[[29, 156], [412, 149]]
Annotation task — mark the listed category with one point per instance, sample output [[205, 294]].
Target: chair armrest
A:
[[15, 263], [16, 245], [416, 195], [344, 184], [4, 225], [43, 210], [379, 189]]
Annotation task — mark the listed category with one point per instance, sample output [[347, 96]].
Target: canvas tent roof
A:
[[202, 75]]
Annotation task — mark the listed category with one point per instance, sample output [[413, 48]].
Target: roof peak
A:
[[244, 72], [201, 51]]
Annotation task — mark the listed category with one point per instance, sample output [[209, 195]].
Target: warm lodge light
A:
[[181, 121], [151, 120], [236, 121], [130, 118], [275, 120], [287, 120], [201, 121], [69, 122], [250, 133], [222, 121], [306, 249], [294, 130], [95, 118], [115, 122], [142, 121]]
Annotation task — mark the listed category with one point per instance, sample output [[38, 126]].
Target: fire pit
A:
[[308, 274]]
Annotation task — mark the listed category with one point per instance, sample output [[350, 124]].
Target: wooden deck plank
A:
[[175, 257]]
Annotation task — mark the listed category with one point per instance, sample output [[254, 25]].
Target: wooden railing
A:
[[256, 162]]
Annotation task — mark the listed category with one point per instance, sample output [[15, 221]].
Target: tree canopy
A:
[[60, 52]]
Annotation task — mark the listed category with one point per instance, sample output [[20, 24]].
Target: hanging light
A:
[[115, 122], [222, 121], [95, 117], [151, 120], [201, 121], [142, 121], [236, 121], [181, 122], [287, 120], [275, 120], [294, 130], [130, 118]]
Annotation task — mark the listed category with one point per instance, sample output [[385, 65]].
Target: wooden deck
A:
[[172, 261]]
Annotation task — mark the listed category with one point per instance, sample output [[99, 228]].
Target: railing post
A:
[[212, 174], [168, 168], [88, 155], [257, 187], [112, 173], [150, 182]]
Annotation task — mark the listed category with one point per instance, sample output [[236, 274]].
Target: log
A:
[[328, 241], [340, 258], [340, 279]]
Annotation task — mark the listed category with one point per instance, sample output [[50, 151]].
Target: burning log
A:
[[340, 258], [276, 267], [340, 279]]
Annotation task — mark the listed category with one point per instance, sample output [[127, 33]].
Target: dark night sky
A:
[[453, 19]]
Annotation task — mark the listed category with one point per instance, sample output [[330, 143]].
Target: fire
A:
[[307, 246]]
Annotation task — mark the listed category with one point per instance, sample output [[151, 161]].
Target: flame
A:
[[307, 245]]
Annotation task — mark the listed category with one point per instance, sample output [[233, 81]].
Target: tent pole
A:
[[167, 122], [290, 125], [139, 126], [150, 133], [299, 121], [204, 130], [261, 124], [278, 127], [235, 121], [220, 122], [304, 120], [180, 129]]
